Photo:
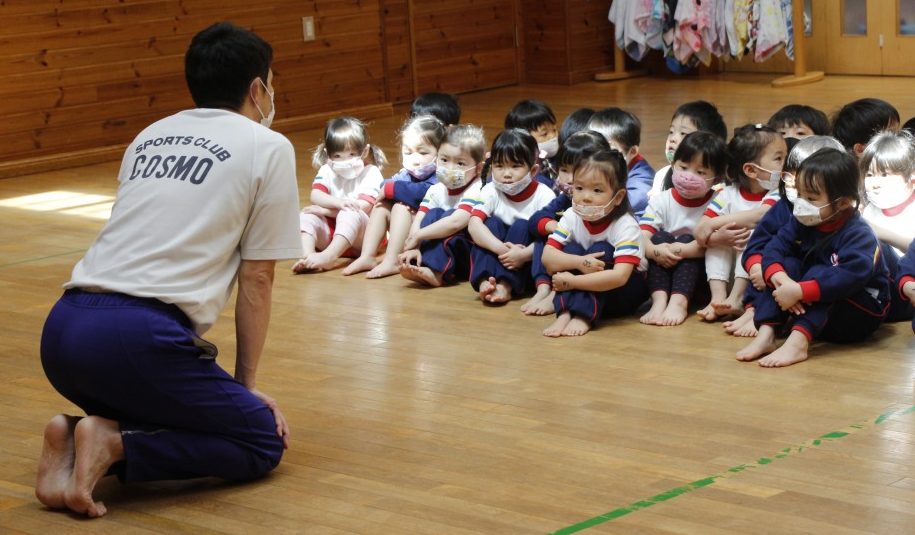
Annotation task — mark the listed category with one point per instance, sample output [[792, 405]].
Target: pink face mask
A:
[[690, 185]]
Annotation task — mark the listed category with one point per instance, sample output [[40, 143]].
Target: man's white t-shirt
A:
[[199, 191]]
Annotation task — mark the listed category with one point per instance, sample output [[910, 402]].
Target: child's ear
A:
[[535, 169], [858, 149], [844, 203], [632, 153], [749, 169]]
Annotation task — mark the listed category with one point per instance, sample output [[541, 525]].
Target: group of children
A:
[[782, 230]]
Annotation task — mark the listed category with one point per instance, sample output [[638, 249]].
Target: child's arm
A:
[[719, 232], [483, 237], [660, 253], [599, 281], [449, 225], [517, 256], [555, 261], [405, 191], [891, 237]]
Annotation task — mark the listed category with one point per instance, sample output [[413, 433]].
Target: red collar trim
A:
[[750, 196], [692, 203], [896, 210], [832, 226], [458, 191], [638, 158], [596, 227], [526, 193]]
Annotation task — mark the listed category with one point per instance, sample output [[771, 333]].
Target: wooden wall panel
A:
[[464, 45], [566, 41], [89, 74], [395, 22]]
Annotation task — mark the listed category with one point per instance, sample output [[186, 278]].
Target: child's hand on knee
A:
[[665, 256], [563, 281], [788, 295], [909, 290], [411, 257]]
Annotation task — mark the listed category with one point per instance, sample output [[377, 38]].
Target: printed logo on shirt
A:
[[193, 169], [834, 259]]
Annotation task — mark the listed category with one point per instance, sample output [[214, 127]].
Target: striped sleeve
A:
[[718, 206], [652, 220], [627, 242]]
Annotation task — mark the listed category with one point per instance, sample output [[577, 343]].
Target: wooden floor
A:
[[423, 412]]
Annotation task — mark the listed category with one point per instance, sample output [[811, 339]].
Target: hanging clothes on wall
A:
[[692, 31]]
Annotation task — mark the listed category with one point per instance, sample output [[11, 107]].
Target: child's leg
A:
[[686, 275], [659, 284], [374, 234], [542, 302], [583, 307], [436, 262], [315, 232], [900, 309], [401, 220], [733, 304], [743, 325], [719, 264], [483, 262], [511, 282], [348, 233], [767, 316]]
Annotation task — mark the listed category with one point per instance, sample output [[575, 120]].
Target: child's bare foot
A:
[[359, 265], [675, 312], [794, 350], [555, 328], [542, 302], [385, 269], [502, 293], [98, 445], [654, 314], [577, 327], [56, 463], [321, 261], [747, 331], [421, 274], [300, 266], [487, 287], [733, 326], [707, 313], [730, 307], [762, 344]]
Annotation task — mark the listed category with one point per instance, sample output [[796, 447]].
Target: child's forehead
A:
[[414, 140], [590, 176], [684, 121], [448, 149], [545, 125]]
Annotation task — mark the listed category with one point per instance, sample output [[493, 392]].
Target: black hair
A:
[[580, 145], [618, 125], [705, 115], [529, 115], [909, 126], [699, 143], [797, 114], [513, 145], [834, 171], [747, 145], [221, 62], [612, 165], [856, 122], [443, 106], [575, 122]]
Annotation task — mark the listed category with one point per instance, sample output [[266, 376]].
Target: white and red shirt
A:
[[733, 199], [671, 212], [899, 219], [365, 187], [622, 233], [439, 196], [508, 208]]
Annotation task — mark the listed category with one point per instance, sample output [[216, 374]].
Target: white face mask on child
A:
[[454, 178], [892, 191], [807, 213], [515, 187], [421, 171], [592, 213], [550, 147], [348, 169], [769, 179]]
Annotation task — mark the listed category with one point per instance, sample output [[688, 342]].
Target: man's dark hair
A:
[[221, 63], [442, 106]]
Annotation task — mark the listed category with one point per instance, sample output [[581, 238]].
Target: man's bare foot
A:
[[762, 344], [385, 269], [56, 463], [654, 314], [675, 312], [359, 265], [577, 327], [729, 307], [421, 274], [555, 328], [98, 445], [794, 350], [707, 313], [502, 293], [733, 326]]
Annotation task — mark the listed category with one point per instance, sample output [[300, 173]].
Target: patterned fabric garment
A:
[[771, 30]]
